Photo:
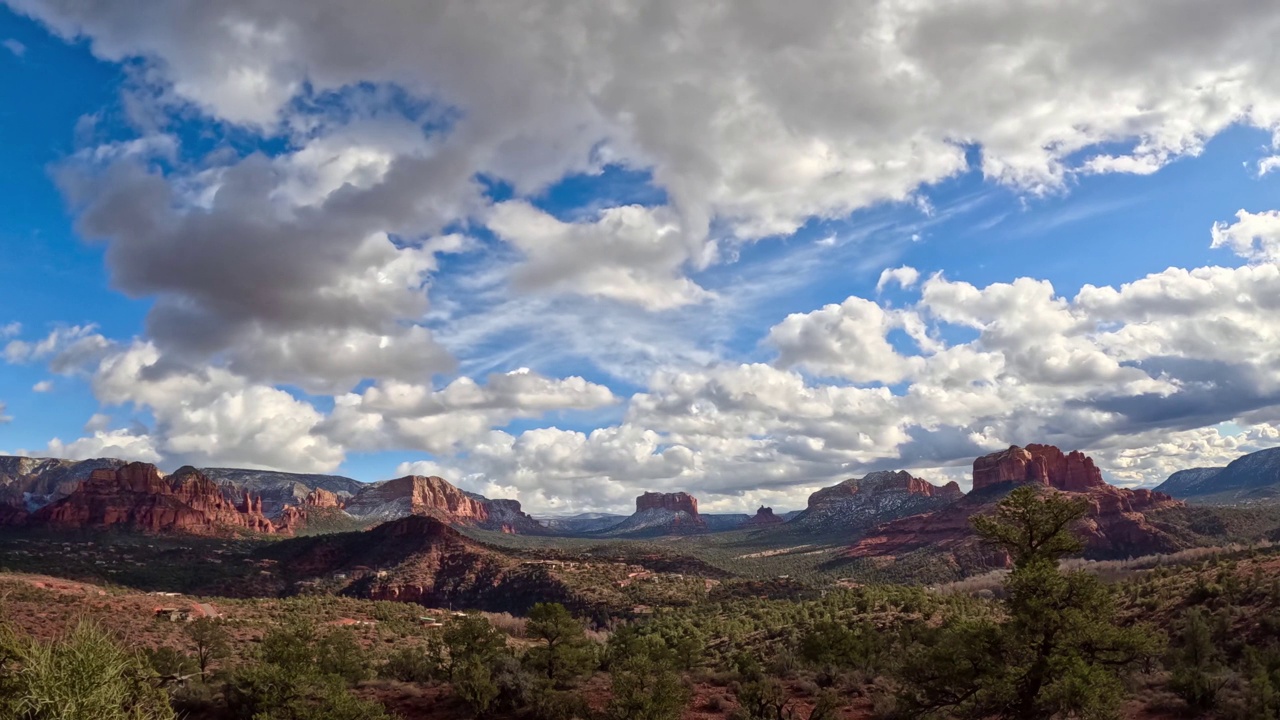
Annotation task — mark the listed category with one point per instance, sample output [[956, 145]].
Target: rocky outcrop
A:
[[858, 504], [436, 497], [672, 502], [662, 514], [1115, 526], [1045, 464], [417, 495], [138, 497], [764, 517], [321, 498]]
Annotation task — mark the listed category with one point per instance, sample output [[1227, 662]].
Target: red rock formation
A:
[[290, 520], [1116, 525], [1046, 464], [763, 517], [673, 502], [321, 498], [138, 497], [436, 497], [418, 495]]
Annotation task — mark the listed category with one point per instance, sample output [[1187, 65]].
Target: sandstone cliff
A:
[[662, 514], [1116, 525], [138, 497], [1044, 464], [436, 497]]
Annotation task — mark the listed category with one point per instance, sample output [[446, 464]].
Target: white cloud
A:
[[213, 417], [312, 268], [847, 340], [43, 386], [631, 254], [15, 47], [1253, 236], [112, 443], [67, 349], [905, 277], [1268, 164], [10, 329], [3, 417], [402, 415], [747, 116]]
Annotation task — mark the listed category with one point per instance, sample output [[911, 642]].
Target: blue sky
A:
[[572, 272]]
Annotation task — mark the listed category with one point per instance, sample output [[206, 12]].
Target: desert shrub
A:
[[552, 704], [646, 686], [167, 662], [473, 649], [85, 675], [339, 653], [410, 664], [301, 674]]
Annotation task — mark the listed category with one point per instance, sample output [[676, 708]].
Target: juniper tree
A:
[[1057, 652]]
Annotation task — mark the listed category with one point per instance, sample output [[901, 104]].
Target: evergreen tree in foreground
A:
[[1057, 653]]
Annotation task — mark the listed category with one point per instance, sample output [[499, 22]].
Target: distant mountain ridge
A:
[[1250, 478], [31, 483], [279, 489], [86, 495], [861, 503]]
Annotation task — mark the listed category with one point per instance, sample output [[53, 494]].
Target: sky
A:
[[586, 249]]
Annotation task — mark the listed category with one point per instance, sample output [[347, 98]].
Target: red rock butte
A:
[[1116, 523], [764, 516], [1045, 464], [674, 502]]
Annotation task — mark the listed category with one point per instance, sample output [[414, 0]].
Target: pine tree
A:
[[565, 652], [1058, 653]]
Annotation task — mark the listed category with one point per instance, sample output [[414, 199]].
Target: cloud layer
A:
[[383, 150]]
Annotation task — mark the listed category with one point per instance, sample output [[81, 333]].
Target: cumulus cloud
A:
[[105, 443], [401, 415], [293, 269], [846, 340], [1253, 236], [1142, 375], [43, 386], [13, 46], [905, 277], [631, 254], [747, 114], [211, 416]]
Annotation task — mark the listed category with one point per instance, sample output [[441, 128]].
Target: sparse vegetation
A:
[[651, 634]]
